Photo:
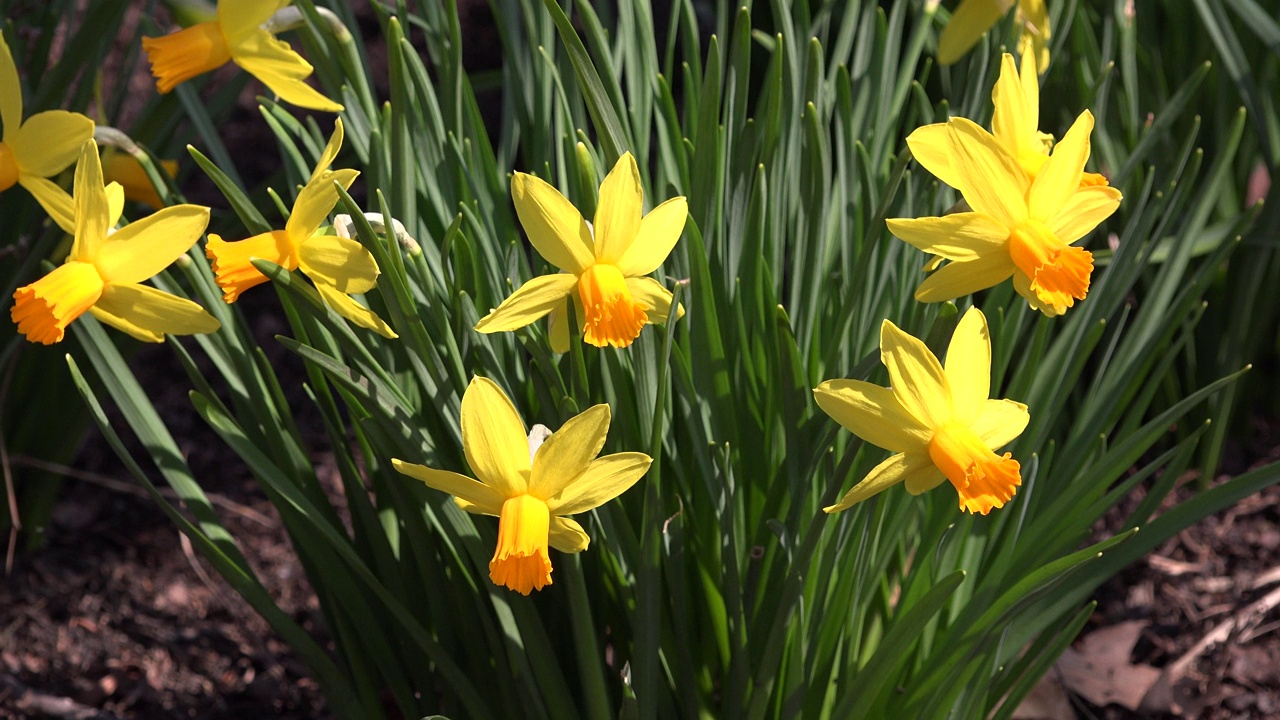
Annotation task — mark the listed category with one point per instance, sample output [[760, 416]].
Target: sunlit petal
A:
[[565, 455], [281, 69], [657, 235], [54, 200], [1059, 178], [567, 536], [915, 375], [1000, 421], [892, 471], [315, 202], [342, 263], [494, 438], [959, 236], [968, 366], [241, 17], [10, 92], [970, 21], [347, 307], [964, 278], [604, 479], [931, 147], [990, 178], [144, 247], [654, 296], [618, 210], [92, 211], [873, 413], [531, 301], [1083, 211], [150, 314], [50, 141], [554, 226], [484, 498]]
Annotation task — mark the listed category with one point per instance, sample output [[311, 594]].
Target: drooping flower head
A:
[[104, 272], [603, 265], [938, 419], [39, 148], [973, 18], [531, 487], [236, 36], [121, 167]]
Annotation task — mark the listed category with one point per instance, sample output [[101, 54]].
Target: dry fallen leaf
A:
[[1100, 671]]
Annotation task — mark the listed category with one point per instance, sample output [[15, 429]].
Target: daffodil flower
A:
[[236, 36], [123, 168], [338, 266], [35, 150], [973, 18], [105, 269], [938, 420], [603, 265], [1018, 228], [531, 487]]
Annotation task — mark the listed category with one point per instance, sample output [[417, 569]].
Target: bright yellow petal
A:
[[655, 296], [347, 307], [279, 68], [564, 455], [241, 17], [1014, 120], [931, 147], [554, 226], [968, 23], [604, 479], [92, 210], [957, 279], [990, 178], [115, 201], [494, 438], [618, 210], [558, 327], [658, 234], [1000, 422], [915, 375], [1029, 79], [1082, 212], [1059, 178], [144, 247], [54, 200], [331, 149], [50, 141], [485, 499], [341, 262], [149, 314], [873, 413], [898, 468], [959, 236], [968, 366], [531, 301], [10, 92], [567, 536], [315, 202]]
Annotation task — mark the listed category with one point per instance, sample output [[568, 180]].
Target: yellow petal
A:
[[1059, 178], [343, 263], [968, 366], [558, 327], [968, 23], [531, 301], [93, 212], [618, 210], [149, 314], [485, 499], [494, 438], [144, 247], [54, 200], [1029, 79], [659, 231], [241, 17], [1014, 120], [604, 479], [923, 479], [959, 236], [1082, 212], [330, 152], [963, 278], [315, 202], [931, 147], [554, 226], [1033, 41], [10, 92], [916, 376], [115, 201], [990, 178], [1022, 285], [898, 468], [123, 168], [567, 536], [654, 296], [873, 413], [49, 141], [279, 68], [1000, 421], [564, 455], [347, 307]]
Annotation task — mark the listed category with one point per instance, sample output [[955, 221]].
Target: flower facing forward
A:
[[105, 269], [603, 265], [973, 18], [531, 487], [937, 419], [338, 266], [1019, 227], [236, 36], [43, 146]]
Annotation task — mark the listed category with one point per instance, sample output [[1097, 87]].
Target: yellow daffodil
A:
[[973, 18], [338, 266], [35, 150], [236, 36], [123, 168], [105, 269], [938, 420], [1018, 228], [603, 265], [531, 487]]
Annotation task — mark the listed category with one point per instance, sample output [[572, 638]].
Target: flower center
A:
[[44, 308], [520, 561], [180, 56], [232, 269], [983, 479], [8, 168], [1059, 273], [613, 317]]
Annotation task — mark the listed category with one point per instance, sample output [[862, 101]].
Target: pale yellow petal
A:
[[604, 479], [49, 141], [655, 296], [970, 21], [1059, 178], [558, 327], [959, 236], [565, 455], [494, 438], [968, 365], [241, 17], [658, 234], [618, 210], [279, 68], [923, 477], [916, 376], [990, 178], [10, 92], [342, 263], [115, 202], [531, 301], [144, 247], [567, 536], [898, 468], [1012, 122], [91, 208], [873, 413], [54, 200], [964, 278], [315, 202], [347, 307], [1082, 212], [554, 226], [1029, 79], [485, 499], [149, 314], [931, 147], [1000, 422]]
